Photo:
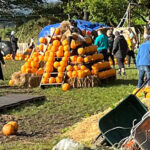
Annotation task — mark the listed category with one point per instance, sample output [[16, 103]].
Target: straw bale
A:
[[87, 130], [34, 81], [16, 75]]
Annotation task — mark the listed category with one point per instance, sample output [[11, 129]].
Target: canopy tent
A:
[[88, 26]]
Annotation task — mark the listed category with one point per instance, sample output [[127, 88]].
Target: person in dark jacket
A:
[[111, 38], [3, 62], [120, 48], [13, 41]]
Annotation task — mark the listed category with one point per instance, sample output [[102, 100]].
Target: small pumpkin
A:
[[65, 87], [15, 124], [52, 80], [59, 80], [81, 51], [11, 82], [56, 43], [8, 129], [69, 68]]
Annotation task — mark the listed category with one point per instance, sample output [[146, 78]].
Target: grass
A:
[[61, 109]]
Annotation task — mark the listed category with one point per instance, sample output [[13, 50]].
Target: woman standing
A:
[[120, 49]]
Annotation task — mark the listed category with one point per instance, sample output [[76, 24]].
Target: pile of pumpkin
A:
[[10, 128], [145, 92], [17, 57], [31, 72]]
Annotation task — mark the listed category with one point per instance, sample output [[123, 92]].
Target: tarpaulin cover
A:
[[82, 24]]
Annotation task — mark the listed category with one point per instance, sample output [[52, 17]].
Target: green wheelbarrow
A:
[[117, 124]]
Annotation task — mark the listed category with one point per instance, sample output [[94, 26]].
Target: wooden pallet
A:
[[12, 100]]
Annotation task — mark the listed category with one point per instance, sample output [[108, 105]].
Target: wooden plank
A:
[[17, 99]]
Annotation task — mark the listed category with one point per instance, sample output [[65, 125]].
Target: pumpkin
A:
[[49, 47], [11, 82], [28, 70], [61, 69], [65, 42], [40, 71], [49, 69], [47, 53], [41, 58], [66, 48], [44, 80], [52, 80], [54, 48], [51, 59], [41, 47], [59, 54], [60, 74], [57, 31], [46, 58], [81, 74], [94, 72], [8, 129], [15, 124], [81, 51], [87, 59], [73, 58], [69, 74], [56, 64], [27, 64], [65, 59], [88, 40], [59, 80], [42, 40], [74, 74], [66, 53], [75, 67], [61, 48], [82, 67], [52, 54], [73, 44], [69, 68], [34, 64], [63, 63], [49, 63], [80, 59], [83, 32], [95, 67], [46, 75], [23, 69], [87, 72], [65, 87], [56, 43]]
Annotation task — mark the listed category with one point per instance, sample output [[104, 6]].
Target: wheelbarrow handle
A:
[[142, 86]]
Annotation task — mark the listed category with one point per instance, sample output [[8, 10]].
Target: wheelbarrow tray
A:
[[123, 115]]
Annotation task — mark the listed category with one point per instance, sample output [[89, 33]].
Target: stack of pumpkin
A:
[[31, 72], [17, 57]]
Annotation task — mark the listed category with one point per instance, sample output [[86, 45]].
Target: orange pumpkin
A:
[[56, 64], [41, 58], [15, 124], [59, 54], [61, 69], [41, 47], [47, 53], [58, 80], [69, 68], [57, 31], [73, 58], [60, 74], [65, 59], [81, 74], [49, 69], [88, 40], [83, 32], [61, 48], [49, 47], [40, 71], [42, 40], [65, 42], [69, 74], [44, 80], [54, 48], [76, 68], [82, 67], [66, 48], [66, 53], [81, 51], [46, 75], [80, 59], [63, 63], [74, 74], [8, 129], [51, 59], [73, 44], [27, 64], [87, 72], [65, 87], [52, 80], [23, 69], [52, 54], [34, 64], [28, 70], [56, 43], [11, 82]]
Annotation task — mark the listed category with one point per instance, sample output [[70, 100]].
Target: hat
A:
[[12, 32]]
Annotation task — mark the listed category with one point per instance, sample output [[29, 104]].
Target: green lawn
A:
[[60, 109]]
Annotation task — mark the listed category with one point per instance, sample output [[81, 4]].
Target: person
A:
[[111, 38], [132, 41], [3, 62], [102, 43], [120, 49], [13, 41], [31, 44], [94, 35], [143, 61]]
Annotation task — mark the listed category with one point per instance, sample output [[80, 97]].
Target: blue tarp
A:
[[88, 26]]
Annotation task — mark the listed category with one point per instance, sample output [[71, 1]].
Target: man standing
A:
[[143, 61], [102, 44], [120, 49], [13, 41]]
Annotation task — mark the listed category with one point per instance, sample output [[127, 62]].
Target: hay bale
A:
[[16, 75], [34, 81]]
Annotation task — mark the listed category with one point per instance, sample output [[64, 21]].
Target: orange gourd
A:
[[60, 74], [66, 48], [69, 74], [65, 59], [65, 87], [63, 63], [56, 43], [61, 48], [69, 68], [56, 64], [74, 74], [65, 42], [80, 59], [8, 129], [58, 80], [57, 31], [59, 54], [44, 80], [52, 80], [54, 48], [73, 44], [49, 69], [82, 67], [46, 75], [66, 53], [42, 40], [61, 69], [73, 58]]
